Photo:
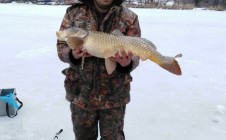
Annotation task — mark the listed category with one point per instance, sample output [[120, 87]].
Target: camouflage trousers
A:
[[110, 121]]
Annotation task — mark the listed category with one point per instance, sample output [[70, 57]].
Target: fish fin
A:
[[145, 41], [149, 42], [110, 65], [172, 66], [83, 62], [74, 42], [109, 53], [117, 32], [143, 59]]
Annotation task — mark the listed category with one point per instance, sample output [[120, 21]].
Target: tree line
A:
[[221, 4], [173, 4]]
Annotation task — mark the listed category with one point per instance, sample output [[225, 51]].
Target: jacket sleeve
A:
[[63, 51], [133, 30]]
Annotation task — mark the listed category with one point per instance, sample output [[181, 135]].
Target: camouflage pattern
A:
[[85, 123], [92, 88], [95, 96]]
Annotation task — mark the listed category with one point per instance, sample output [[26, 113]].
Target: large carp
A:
[[105, 45]]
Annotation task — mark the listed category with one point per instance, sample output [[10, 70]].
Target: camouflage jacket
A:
[[91, 87]]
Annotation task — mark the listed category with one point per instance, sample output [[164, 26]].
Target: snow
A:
[[163, 106]]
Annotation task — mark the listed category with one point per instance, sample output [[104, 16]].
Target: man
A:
[[97, 97]]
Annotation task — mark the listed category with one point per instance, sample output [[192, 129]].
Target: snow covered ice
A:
[[163, 106]]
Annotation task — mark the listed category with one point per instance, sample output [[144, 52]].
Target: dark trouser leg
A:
[[111, 123], [85, 123]]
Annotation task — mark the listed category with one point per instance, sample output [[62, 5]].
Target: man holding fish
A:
[[97, 97]]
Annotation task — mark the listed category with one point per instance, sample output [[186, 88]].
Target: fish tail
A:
[[172, 66]]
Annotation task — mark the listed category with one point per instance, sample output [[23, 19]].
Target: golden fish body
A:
[[105, 45]]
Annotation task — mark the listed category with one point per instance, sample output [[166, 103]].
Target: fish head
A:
[[76, 32], [75, 42]]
